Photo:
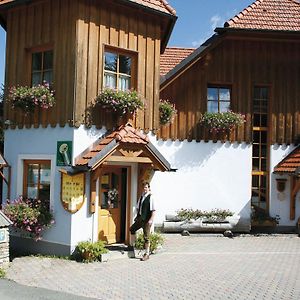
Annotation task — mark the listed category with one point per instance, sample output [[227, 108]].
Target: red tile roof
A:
[[172, 57], [161, 5], [290, 164], [124, 134], [268, 15]]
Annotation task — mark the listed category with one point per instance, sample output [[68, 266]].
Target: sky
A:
[[196, 22]]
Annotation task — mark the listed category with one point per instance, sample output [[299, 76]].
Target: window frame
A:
[[218, 87], [20, 174], [134, 62], [39, 49]]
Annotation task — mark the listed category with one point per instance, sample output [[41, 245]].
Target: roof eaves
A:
[[94, 162], [243, 30], [189, 59]]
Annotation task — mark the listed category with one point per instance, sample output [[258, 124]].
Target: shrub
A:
[[121, 102], [2, 273], [156, 240], [215, 214], [30, 215], [222, 121], [167, 112], [28, 98], [87, 251]]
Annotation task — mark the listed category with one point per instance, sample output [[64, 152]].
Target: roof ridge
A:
[[180, 47], [168, 7], [242, 13]]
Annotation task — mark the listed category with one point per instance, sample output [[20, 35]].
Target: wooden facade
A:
[[240, 62], [78, 32]]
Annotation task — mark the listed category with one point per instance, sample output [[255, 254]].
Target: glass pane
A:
[[263, 106], [45, 173], [255, 150], [48, 60], [256, 120], [32, 192], [212, 106], [263, 137], [263, 150], [111, 60], [256, 93], [263, 183], [212, 94], [264, 93], [44, 193], [255, 164], [104, 199], [124, 64], [264, 120], [37, 61], [263, 164], [33, 174], [124, 83], [256, 137], [255, 181], [224, 94], [256, 106], [48, 77], [36, 78], [224, 106], [110, 80]]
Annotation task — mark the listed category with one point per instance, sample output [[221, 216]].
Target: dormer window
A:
[[42, 67], [218, 99], [118, 71]]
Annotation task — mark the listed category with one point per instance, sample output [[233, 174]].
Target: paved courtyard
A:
[[190, 267]]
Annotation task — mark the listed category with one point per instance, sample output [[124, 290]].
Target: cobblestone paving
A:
[[191, 267]]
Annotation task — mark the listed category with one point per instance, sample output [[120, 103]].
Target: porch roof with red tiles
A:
[[290, 164], [283, 15], [124, 134], [172, 57], [160, 5]]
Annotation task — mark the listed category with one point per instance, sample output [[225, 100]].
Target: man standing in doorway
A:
[[144, 219]]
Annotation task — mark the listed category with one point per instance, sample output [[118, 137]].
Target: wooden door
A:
[[110, 205]]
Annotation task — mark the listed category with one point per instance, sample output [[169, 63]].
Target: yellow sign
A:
[[72, 192]]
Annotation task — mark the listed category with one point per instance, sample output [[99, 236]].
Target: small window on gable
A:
[[118, 70], [37, 179], [42, 67], [218, 99]]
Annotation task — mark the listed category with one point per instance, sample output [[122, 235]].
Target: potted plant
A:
[[121, 102], [28, 98], [87, 251], [222, 121], [167, 112], [31, 216]]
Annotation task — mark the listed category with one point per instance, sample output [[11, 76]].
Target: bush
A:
[[30, 215], [215, 214], [167, 112], [87, 251], [2, 273], [156, 240], [121, 102]]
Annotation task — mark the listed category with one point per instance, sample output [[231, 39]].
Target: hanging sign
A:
[[64, 153], [72, 192]]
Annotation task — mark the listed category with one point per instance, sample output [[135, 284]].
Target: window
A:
[[260, 158], [218, 99], [37, 177], [42, 67], [118, 71]]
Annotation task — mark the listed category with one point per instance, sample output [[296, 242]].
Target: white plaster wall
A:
[[280, 202], [41, 143], [209, 175]]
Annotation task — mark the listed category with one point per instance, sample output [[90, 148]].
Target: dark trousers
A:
[[139, 223]]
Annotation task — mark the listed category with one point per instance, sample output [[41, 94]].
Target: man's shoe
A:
[[145, 257]]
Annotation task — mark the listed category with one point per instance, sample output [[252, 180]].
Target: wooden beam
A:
[[295, 187], [129, 159]]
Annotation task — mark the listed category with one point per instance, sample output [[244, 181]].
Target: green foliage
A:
[[222, 121], [27, 98], [167, 112], [121, 102], [30, 215], [213, 215], [156, 240], [87, 251], [2, 273]]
